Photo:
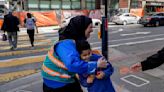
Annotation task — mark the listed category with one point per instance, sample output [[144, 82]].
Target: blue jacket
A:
[[99, 85], [66, 51]]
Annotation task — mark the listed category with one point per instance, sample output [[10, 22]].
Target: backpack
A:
[[30, 23]]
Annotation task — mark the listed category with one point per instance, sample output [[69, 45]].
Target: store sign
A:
[[155, 3]]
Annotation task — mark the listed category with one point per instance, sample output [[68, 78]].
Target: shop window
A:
[[44, 4], [90, 4], [56, 4], [76, 4], [33, 4], [66, 4]]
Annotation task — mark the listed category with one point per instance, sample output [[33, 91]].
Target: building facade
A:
[[42, 5], [154, 5]]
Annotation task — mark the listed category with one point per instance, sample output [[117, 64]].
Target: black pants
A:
[[72, 87], [31, 36]]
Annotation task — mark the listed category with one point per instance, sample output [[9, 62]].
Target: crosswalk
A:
[[23, 61]]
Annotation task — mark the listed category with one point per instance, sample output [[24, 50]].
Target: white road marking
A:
[[134, 38], [132, 43], [136, 33], [23, 91], [137, 78], [119, 30]]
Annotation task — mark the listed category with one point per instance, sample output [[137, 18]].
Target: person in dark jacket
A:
[[100, 81], [63, 61], [10, 25], [151, 62]]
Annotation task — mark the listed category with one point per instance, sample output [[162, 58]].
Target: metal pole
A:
[[104, 32]]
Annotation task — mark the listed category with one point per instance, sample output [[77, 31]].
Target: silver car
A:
[[126, 18]]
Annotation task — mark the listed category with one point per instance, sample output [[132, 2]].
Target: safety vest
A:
[[54, 69]]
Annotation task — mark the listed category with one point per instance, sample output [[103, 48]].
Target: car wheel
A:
[[97, 24], [138, 22], [124, 23], [145, 25], [156, 23]]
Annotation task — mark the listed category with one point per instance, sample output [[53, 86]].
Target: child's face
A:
[[85, 55]]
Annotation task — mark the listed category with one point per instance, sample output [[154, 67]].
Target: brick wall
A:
[[123, 3]]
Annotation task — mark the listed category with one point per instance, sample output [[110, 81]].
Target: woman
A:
[[30, 25], [63, 61]]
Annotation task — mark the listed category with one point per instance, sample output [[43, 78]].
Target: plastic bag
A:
[[4, 37]]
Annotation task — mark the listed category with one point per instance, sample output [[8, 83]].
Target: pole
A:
[[104, 32]]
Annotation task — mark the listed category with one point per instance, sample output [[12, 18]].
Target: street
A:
[[127, 45]]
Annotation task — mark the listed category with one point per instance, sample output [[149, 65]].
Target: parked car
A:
[[95, 22], [154, 19], [126, 18]]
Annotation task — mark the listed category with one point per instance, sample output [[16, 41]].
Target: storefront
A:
[[61, 4], [154, 6]]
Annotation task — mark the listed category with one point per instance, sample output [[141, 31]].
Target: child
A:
[[99, 82]]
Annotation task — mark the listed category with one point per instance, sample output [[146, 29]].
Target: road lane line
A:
[[15, 75], [21, 61]]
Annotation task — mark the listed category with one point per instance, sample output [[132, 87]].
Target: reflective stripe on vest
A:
[[96, 52], [55, 60], [53, 73]]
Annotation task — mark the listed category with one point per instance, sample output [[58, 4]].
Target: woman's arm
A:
[[108, 71], [66, 50]]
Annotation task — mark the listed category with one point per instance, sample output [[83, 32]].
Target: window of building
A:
[[90, 4], [33, 4], [66, 4], [136, 4], [44, 4], [76, 4], [55, 4]]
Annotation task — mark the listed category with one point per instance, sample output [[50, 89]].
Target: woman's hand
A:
[[102, 63], [100, 75]]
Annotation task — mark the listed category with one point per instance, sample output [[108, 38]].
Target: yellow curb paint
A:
[[13, 53], [21, 61], [27, 45], [14, 75], [25, 42]]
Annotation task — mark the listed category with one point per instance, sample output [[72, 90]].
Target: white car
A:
[[126, 18], [95, 22]]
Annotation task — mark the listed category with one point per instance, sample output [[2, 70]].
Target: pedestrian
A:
[[63, 61], [151, 62], [99, 81], [10, 25], [30, 25]]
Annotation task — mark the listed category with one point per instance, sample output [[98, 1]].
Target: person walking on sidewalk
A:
[[30, 25], [63, 61], [10, 25], [100, 81]]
